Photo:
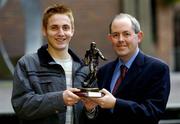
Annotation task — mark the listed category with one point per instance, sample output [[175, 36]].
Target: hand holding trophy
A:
[[89, 79]]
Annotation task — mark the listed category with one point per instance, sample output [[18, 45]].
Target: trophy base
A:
[[89, 92]]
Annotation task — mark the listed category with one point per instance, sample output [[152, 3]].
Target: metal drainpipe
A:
[[32, 14]]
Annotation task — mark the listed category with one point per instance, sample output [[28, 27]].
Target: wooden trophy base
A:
[[89, 92]]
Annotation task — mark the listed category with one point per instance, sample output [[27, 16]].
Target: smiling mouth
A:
[[60, 39], [121, 46]]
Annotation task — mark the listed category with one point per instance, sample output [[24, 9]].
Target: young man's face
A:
[[59, 32], [123, 38]]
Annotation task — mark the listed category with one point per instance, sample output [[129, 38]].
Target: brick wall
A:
[[12, 27], [92, 18]]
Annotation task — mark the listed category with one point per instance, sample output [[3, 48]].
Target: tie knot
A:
[[123, 69]]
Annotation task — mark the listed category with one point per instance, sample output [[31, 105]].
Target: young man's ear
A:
[[73, 30], [43, 31]]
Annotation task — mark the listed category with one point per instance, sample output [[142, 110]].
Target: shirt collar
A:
[[130, 61]]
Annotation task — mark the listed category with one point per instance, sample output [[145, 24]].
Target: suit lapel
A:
[[109, 72], [133, 71]]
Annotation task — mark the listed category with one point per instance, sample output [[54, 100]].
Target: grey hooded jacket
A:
[[38, 86]]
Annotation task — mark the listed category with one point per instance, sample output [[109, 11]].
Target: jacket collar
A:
[[46, 59]]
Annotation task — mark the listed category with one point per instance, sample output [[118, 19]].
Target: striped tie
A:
[[123, 70]]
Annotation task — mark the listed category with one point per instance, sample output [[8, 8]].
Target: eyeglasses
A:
[[117, 35]]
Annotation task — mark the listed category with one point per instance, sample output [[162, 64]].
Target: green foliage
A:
[[169, 2], [4, 72]]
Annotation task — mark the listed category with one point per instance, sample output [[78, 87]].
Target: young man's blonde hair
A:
[[57, 9]]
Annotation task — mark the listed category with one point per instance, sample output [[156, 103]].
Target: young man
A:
[[139, 93], [44, 81]]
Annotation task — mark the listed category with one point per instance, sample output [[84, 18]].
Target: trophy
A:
[[87, 74]]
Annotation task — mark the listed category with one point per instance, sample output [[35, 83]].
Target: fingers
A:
[[70, 98], [74, 89], [107, 101], [71, 93], [104, 91]]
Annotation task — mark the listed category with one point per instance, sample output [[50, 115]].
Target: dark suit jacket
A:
[[141, 97]]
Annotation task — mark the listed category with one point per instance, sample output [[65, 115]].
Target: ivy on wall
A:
[[168, 2]]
